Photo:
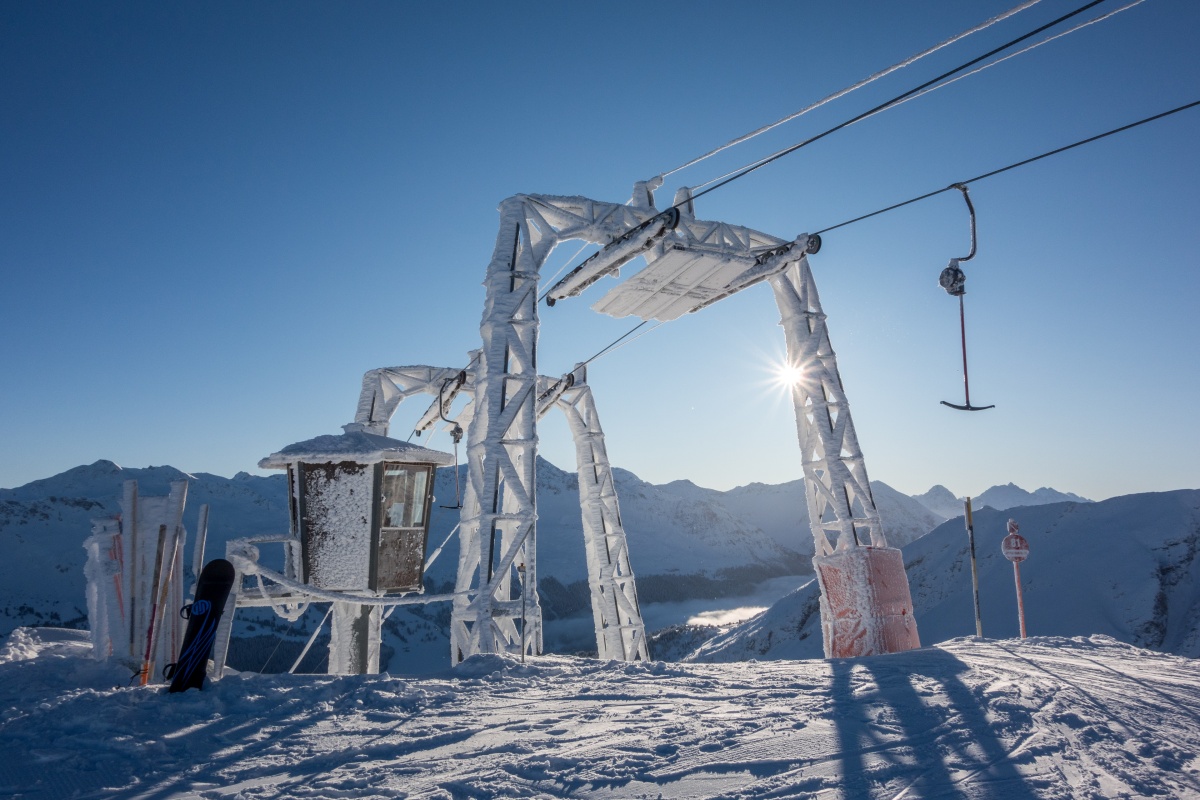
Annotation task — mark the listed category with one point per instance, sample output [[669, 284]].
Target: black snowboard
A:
[[203, 614]]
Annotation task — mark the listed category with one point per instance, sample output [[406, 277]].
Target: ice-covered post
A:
[[866, 606], [128, 613]]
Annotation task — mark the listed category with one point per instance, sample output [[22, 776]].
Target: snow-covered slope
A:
[[780, 511], [904, 519], [1044, 718], [941, 501], [1125, 567]]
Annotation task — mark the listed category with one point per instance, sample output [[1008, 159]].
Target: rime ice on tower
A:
[[341, 514], [866, 607]]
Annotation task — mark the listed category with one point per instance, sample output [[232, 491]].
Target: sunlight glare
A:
[[788, 375]]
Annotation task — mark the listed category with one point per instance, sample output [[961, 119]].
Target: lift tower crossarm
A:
[[383, 390]]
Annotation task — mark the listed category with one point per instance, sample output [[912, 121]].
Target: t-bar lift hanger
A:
[[954, 281]]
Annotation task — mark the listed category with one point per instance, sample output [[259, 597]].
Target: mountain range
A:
[[941, 501], [1126, 567], [685, 542]]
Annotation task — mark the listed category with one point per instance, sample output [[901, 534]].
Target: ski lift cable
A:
[[910, 94], [612, 348], [561, 269], [617, 343], [730, 177], [550, 281], [613, 345], [1012, 166], [1022, 51], [865, 81], [889, 103], [946, 83]]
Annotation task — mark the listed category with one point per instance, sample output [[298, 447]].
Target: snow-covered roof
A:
[[358, 446]]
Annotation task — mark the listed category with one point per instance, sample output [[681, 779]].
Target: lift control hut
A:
[[360, 507]]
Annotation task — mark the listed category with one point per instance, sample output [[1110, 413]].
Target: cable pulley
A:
[[954, 281], [456, 431]]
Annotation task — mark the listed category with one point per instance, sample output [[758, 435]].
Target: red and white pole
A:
[[1016, 549]]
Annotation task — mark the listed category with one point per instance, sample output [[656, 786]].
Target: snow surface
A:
[[354, 445], [977, 719]]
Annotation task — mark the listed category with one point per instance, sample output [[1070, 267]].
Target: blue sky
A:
[[215, 217]]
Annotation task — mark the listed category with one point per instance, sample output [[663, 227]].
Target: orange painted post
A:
[[866, 606], [1016, 549]]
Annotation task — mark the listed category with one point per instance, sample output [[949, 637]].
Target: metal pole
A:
[[524, 588], [1020, 597], [962, 324], [974, 570]]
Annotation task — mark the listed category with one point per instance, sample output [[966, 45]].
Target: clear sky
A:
[[214, 217]]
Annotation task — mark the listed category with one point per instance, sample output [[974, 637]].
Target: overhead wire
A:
[[943, 84], [1022, 51], [619, 342], [865, 81], [889, 103], [924, 88], [616, 344], [730, 177], [1012, 166]]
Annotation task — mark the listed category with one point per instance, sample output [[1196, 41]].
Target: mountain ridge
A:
[[1127, 567]]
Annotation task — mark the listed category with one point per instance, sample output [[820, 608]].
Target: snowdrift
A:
[[1043, 718]]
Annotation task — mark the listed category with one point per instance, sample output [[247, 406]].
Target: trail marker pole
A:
[[1016, 549], [974, 570]]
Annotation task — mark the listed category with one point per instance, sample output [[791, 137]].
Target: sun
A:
[[788, 375]]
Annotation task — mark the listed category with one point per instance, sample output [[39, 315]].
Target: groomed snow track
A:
[[984, 720]]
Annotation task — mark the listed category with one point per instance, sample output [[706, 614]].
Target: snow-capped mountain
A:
[[44, 523], [780, 511], [1011, 496], [941, 501], [1125, 567], [684, 540]]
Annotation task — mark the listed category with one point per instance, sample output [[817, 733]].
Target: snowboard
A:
[[203, 615]]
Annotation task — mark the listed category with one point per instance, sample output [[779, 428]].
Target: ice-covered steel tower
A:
[[690, 264]]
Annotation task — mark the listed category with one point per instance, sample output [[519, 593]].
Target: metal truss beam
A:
[[498, 538], [841, 509], [620, 632]]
